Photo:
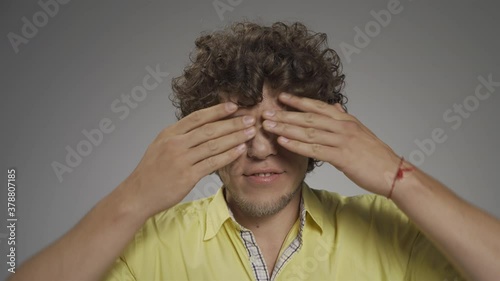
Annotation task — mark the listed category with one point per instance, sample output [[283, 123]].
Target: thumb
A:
[[339, 107]]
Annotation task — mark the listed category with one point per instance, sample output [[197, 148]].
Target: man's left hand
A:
[[326, 132]]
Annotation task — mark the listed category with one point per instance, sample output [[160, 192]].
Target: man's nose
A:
[[264, 144]]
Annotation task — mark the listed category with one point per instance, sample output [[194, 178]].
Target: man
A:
[[260, 106]]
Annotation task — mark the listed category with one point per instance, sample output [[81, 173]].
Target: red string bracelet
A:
[[399, 175]]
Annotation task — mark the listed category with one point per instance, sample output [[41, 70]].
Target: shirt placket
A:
[[255, 256]]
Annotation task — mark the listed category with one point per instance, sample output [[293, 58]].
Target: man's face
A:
[[264, 180]]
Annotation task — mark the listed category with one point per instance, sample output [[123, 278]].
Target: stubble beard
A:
[[262, 209]]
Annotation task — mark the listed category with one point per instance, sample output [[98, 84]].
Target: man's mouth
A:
[[263, 177], [264, 174]]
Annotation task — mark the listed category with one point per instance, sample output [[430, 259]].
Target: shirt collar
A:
[[218, 212], [313, 206]]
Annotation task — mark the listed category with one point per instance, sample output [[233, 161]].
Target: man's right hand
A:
[[174, 162], [184, 153]]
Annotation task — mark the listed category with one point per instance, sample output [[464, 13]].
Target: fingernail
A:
[[285, 95], [248, 120], [250, 131], [339, 107], [241, 147], [269, 113], [283, 139], [230, 107], [270, 124]]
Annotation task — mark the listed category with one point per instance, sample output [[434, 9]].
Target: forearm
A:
[[466, 235], [90, 248]]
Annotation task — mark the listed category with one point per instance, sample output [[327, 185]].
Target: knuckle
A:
[[171, 142], [166, 132], [195, 117], [320, 104], [208, 130], [309, 118], [311, 133], [316, 150], [212, 163], [283, 128], [212, 146], [350, 125]]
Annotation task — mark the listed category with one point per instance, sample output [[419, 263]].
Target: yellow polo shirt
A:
[[364, 237]]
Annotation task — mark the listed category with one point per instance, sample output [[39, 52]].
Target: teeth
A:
[[264, 174]]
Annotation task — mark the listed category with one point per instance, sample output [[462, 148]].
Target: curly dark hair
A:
[[239, 59]]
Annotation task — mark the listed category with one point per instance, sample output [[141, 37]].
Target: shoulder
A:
[[181, 217], [370, 224], [183, 211], [170, 225], [362, 201], [365, 207]]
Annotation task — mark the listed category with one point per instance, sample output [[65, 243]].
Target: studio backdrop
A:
[[77, 115]]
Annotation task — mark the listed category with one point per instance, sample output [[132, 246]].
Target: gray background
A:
[[65, 78]]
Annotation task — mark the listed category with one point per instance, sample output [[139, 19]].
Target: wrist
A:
[[409, 188], [125, 203], [402, 171]]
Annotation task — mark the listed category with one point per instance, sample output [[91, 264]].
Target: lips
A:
[[263, 176], [263, 172]]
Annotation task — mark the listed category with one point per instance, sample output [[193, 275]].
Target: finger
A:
[[217, 129], [315, 151], [219, 145], [218, 161], [339, 107], [311, 105], [308, 135], [305, 119], [203, 116], [320, 107]]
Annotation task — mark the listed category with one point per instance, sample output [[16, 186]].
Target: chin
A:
[[257, 202], [258, 208]]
